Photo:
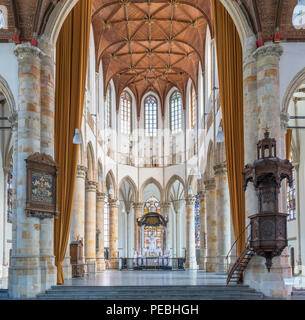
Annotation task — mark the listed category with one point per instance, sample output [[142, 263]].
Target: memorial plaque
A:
[[41, 186]]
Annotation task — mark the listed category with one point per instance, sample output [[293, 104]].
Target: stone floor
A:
[[3, 283], [157, 278]]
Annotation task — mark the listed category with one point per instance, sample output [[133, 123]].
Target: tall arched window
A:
[[3, 17], [1, 20], [176, 112], [125, 109], [108, 107], [298, 18], [151, 116], [193, 107]]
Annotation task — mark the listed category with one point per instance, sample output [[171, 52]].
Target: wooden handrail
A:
[[239, 260], [237, 240]]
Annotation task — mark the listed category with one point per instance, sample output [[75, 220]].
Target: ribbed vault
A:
[[150, 45]]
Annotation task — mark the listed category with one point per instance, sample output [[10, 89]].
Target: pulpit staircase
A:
[[236, 272]]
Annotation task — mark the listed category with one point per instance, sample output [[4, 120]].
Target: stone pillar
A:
[[269, 114], [90, 222], [223, 217], [165, 207], [202, 261], [113, 234], [190, 262], [47, 101], [211, 226], [14, 124], [78, 215], [138, 207], [25, 271], [100, 209]]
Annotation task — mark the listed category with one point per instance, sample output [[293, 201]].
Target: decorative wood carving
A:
[[41, 193], [269, 226]]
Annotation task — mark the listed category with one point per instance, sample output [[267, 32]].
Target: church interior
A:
[[152, 143]]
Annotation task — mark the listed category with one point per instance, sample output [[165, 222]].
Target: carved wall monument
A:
[[41, 193], [269, 226]]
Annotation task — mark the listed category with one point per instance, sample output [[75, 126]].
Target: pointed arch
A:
[[170, 183], [294, 84], [90, 162], [5, 89], [209, 172], [133, 186], [151, 180], [110, 181]]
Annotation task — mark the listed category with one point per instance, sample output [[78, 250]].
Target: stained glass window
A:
[[291, 208], [176, 112], [151, 116], [197, 222], [10, 193], [125, 109], [298, 17], [108, 107], [106, 226], [1, 20]]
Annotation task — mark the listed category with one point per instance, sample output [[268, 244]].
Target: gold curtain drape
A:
[[72, 51], [230, 74], [288, 143]]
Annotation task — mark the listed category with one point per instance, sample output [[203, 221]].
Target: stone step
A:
[[141, 297]]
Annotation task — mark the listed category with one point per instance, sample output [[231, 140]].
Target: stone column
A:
[[138, 207], [100, 209], [113, 234], [14, 124], [211, 259], [47, 101], [24, 273], [90, 222], [190, 262], [223, 217], [78, 215], [165, 207], [269, 114], [202, 262]]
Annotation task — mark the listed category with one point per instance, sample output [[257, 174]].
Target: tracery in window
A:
[[298, 17], [291, 193], [176, 112], [10, 193], [151, 116], [125, 109], [106, 227], [197, 222], [193, 107], [108, 107]]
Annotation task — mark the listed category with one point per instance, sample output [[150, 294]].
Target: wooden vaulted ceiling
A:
[[150, 45]]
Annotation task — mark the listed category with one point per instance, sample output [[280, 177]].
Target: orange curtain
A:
[[230, 73], [72, 51], [288, 143]]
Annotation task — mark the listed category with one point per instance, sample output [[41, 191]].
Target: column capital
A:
[[26, 50], [284, 120], [100, 196], [220, 169], [137, 206], [274, 50], [190, 202], [13, 120], [91, 186], [81, 171], [201, 194], [165, 205], [113, 203], [210, 184]]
